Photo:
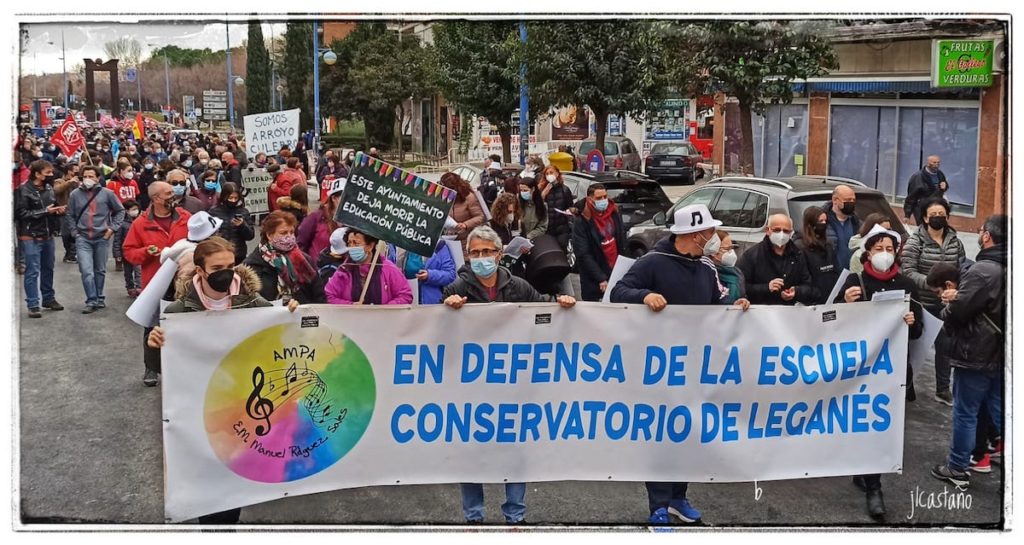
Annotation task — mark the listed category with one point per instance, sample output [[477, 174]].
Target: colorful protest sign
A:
[[394, 205], [69, 137], [269, 132], [335, 397], [256, 182]]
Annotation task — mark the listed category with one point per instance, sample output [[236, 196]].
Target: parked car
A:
[[743, 205], [674, 161], [471, 173], [620, 153]]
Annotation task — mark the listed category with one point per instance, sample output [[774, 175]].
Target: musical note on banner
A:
[[258, 407]]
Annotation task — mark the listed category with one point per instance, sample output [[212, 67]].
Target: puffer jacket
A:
[[979, 309], [511, 289], [921, 253], [187, 300], [821, 264]]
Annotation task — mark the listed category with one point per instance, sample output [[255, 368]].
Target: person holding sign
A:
[[466, 211], [285, 271], [483, 281], [367, 277], [881, 274], [677, 272], [599, 238]]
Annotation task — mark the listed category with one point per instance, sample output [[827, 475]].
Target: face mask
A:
[[203, 161], [601, 205], [128, 176], [510, 218], [712, 246], [882, 261], [780, 239], [231, 204], [525, 195], [221, 280], [848, 208], [133, 213], [357, 254], [179, 190], [89, 183], [551, 178], [186, 164], [210, 186], [484, 267], [39, 154], [106, 149], [820, 229], [729, 258], [937, 222], [284, 244]]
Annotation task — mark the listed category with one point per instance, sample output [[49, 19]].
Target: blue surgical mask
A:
[[484, 267], [601, 205], [179, 190], [210, 186], [525, 195], [357, 254]]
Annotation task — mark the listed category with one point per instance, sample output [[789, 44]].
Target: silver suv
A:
[[743, 205], [620, 153]]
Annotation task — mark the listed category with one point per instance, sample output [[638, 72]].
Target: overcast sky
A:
[[83, 41]]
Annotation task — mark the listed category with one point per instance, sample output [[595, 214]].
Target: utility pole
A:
[[524, 104]]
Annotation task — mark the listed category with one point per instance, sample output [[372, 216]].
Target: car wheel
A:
[[699, 173], [637, 251]]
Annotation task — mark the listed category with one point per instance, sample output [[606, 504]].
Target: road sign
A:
[[214, 93], [207, 104], [130, 75]]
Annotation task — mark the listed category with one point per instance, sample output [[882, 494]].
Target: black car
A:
[[674, 161]]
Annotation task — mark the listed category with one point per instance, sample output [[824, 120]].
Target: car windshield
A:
[[673, 149], [867, 204], [610, 148]]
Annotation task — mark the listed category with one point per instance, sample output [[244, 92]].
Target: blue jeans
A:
[[971, 390], [132, 276], [92, 263], [514, 507], [39, 256]]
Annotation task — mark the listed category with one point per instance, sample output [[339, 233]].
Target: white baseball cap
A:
[[338, 245], [202, 226], [337, 186], [693, 218]]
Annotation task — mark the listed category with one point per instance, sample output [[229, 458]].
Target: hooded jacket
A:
[[394, 288], [921, 253], [104, 212], [760, 265], [187, 300], [976, 319], [511, 289], [680, 279], [314, 234]]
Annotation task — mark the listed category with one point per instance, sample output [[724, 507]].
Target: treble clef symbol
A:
[[257, 407]]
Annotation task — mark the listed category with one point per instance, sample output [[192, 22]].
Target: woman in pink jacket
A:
[[388, 285]]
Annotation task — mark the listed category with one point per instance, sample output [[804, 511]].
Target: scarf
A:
[[883, 276], [373, 293], [217, 304], [605, 224], [292, 267]]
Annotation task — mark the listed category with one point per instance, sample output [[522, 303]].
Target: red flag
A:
[[140, 127], [68, 137]]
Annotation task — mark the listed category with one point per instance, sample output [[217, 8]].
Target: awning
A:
[[868, 87]]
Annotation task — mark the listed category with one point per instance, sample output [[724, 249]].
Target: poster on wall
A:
[[570, 123], [671, 121]]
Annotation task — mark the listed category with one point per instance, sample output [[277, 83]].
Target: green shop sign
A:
[[962, 63]]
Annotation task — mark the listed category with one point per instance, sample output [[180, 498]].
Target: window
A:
[[610, 148], [741, 209], [756, 208], [673, 149], [701, 196]]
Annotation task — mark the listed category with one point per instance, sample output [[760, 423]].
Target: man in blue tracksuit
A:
[[678, 271]]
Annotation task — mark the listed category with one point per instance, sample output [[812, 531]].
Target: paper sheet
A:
[[622, 266], [896, 295], [414, 285], [563, 212], [145, 310], [839, 285], [455, 247], [516, 246], [920, 348], [483, 204]]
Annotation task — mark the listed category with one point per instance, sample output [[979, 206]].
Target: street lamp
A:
[[239, 81], [231, 90], [329, 58]]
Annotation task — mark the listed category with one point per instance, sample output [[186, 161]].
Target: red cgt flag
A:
[[68, 137]]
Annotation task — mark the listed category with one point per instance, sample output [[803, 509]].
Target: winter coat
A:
[[233, 173], [467, 211], [187, 300], [920, 190], [104, 212], [559, 197], [314, 233], [394, 288], [191, 204], [870, 286], [146, 232], [208, 199], [30, 211], [440, 269], [326, 266], [760, 265], [530, 225], [284, 181], [680, 279], [979, 309], [921, 253], [855, 265], [62, 190], [270, 288], [286, 204], [239, 235], [821, 264], [511, 289], [832, 234], [590, 258]]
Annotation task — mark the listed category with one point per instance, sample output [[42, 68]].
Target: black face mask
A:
[[221, 280], [848, 208], [820, 229], [937, 222], [231, 204]]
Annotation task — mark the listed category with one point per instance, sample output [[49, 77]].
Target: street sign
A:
[[213, 93], [130, 75], [962, 63]]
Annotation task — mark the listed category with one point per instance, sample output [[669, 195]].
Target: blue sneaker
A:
[[659, 517], [683, 510]]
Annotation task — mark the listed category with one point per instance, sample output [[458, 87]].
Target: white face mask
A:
[[780, 239], [88, 183], [128, 175], [729, 258], [883, 261], [510, 218], [551, 178], [712, 246]]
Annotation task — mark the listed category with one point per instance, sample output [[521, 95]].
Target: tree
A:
[[257, 71], [753, 61], [614, 67], [126, 49], [339, 97], [391, 70], [473, 72], [297, 69], [184, 57]]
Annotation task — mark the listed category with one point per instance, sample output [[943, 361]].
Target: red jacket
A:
[[124, 189], [284, 182], [146, 232]]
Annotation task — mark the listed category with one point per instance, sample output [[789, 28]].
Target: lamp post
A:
[[280, 96], [231, 89], [329, 58], [64, 68], [524, 104]]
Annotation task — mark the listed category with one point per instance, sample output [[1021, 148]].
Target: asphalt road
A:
[[90, 448]]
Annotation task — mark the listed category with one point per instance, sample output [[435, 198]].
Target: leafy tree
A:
[[473, 72], [257, 71], [126, 49], [753, 61], [614, 67], [340, 98], [184, 57], [297, 70]]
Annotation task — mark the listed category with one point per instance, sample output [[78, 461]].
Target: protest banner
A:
[[333, 397], [270, 131], [394, 205], [256, 182]]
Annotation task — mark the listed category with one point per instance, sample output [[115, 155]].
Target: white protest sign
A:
[[622, 266], [270, 131], [335, 396], [920, 348], [257, 182]]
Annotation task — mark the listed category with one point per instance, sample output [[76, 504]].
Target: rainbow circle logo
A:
[[289, 402]]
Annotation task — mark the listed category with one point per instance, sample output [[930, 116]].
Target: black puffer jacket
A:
[[30, 211], [821, 264], [921, 253], [976, 319], [511, 289], [237, 235], [760, 265]]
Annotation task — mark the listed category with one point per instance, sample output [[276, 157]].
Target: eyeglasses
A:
[[483, 253], [177, 183]]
